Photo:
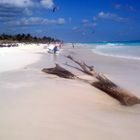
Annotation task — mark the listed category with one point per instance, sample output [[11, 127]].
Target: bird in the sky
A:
[[55, 8]]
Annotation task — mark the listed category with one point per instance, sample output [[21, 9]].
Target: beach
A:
[[39, 106]]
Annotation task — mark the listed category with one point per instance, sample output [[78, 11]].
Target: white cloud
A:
[[47, 3], [27, 12], [126, 7], [37, 21], [110, 16], [61, 21], [94, 24], [39, 31], [27, 3], [84, 21], [75, 28], [88, 24], [17, 3], [94, 18], [130, 8], [117, 6], [83, 33]]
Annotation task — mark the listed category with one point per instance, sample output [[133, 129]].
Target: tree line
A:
[[26, 38]]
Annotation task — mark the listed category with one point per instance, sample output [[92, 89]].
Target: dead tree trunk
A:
[[59, 71], [107, 85], [118, 93], [102, 83]]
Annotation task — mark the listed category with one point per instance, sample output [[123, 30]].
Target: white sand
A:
[[18, 57], [36, 106]]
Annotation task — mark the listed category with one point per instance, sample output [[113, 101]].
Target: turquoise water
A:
[[128, 50]]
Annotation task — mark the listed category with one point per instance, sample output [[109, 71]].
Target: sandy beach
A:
[[38, 106]]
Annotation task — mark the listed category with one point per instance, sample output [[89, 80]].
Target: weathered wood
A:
[[82, 65], [59, 71], [107, 85], [118, 93], [102, 83]]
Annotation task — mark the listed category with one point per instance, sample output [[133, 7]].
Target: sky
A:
[[72, 20]]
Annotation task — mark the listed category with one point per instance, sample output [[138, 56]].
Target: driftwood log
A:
[[59, 71], [106, 85], [102, 83]]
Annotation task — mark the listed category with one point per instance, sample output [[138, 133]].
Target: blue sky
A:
[[73, 20]]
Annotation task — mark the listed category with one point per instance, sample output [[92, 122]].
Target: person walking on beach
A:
[[73, 45], [54, 52], [55, 49]]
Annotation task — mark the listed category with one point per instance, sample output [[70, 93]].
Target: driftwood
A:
[[107, 85], [102, 83], [59, 71]]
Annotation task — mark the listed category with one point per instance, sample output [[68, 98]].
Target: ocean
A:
[[127, 50]]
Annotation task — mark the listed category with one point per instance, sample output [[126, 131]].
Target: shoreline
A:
[[117, 56], [123, 72], [103, 49], [38, 106]]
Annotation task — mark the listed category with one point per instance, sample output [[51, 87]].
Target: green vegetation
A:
[[26, 38]]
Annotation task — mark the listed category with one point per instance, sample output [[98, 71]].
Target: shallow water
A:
[[123, 50]]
